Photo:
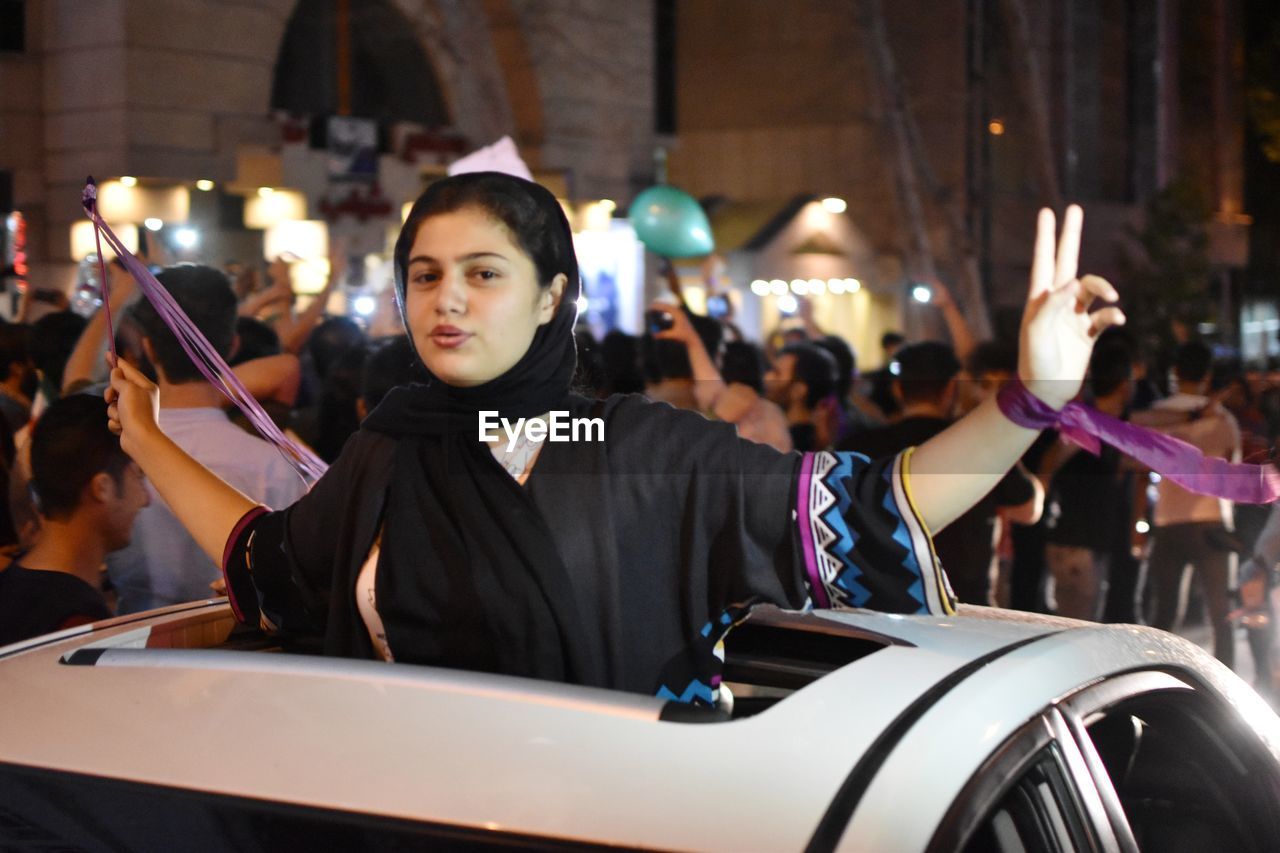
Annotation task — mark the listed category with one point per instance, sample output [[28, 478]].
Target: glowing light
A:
[[186, 238], [153, 224], [265, 191], [204, 185], [834, 205], [920, 293], [275, 207], [778, 287], [760, 287], [582, 304], [609, 204], [835, 285], [1142, 526], [1155, 478], [817, 286], [787, 304], [799, 286], [128, 181], [365, 305], [852, 285], [996, 126], [895, 368]]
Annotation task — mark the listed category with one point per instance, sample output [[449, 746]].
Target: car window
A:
[[1040, 813], [47, 810], [1188, 773]]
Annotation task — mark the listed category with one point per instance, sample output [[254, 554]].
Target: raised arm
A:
[[294, 337], [271, 378], [92, 341], [708, 385], [207, 507], [955, 469], [962, 340]]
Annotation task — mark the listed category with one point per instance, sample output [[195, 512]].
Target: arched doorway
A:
[[390, 77]]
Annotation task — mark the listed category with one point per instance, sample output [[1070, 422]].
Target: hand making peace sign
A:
[[1058, 329]]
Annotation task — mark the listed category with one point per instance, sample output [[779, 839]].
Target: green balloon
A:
[[670, 222]]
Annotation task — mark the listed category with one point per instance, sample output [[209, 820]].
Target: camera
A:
[[717, 307], [658, 321]]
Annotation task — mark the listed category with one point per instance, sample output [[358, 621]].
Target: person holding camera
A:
[[735, 396]]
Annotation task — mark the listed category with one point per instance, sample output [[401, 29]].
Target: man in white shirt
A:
[[163, 565], [1194, 531]]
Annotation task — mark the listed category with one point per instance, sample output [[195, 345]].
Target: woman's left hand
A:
[[1058, 329]]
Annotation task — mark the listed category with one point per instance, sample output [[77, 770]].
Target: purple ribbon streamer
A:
[[199, 350], [1170, 457], [90, 201]]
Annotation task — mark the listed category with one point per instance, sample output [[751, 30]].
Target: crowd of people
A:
[[1060, 531]]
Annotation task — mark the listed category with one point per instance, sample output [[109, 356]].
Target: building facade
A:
[[172, 92]]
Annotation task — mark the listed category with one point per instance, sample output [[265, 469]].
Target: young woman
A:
[[619, 562]]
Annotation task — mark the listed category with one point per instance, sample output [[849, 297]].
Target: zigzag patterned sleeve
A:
[[862, 543]]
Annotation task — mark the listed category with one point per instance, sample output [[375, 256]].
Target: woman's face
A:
[[472, 297]]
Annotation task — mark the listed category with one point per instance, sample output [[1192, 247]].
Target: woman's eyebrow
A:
[[427, 259]]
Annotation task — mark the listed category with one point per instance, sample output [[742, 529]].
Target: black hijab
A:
[[469, 575]]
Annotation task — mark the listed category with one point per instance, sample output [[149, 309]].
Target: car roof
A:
[[537, 758]]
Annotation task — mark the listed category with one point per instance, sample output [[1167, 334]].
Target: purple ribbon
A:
[[197, 346], [1169, 457], [90, 201]]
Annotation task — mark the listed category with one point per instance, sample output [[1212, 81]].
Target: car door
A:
[[1034, 795], [1177, 767], [1144, 761]]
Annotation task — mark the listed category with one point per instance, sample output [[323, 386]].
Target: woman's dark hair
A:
[[69, 445], [744, 363], [531, 213]]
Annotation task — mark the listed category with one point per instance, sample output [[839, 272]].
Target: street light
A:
[[186, 237]]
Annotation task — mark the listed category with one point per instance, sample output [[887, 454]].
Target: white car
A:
[[988, 731]]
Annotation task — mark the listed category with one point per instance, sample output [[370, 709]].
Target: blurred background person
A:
[[926, 385], [1193, 532], [88, 492], [1089, 513]]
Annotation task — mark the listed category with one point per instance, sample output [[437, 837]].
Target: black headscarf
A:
[[469, 575]]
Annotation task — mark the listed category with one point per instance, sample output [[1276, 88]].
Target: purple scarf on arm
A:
[[1169, 457]]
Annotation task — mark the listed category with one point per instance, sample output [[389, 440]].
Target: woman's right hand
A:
[[133, 403]]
